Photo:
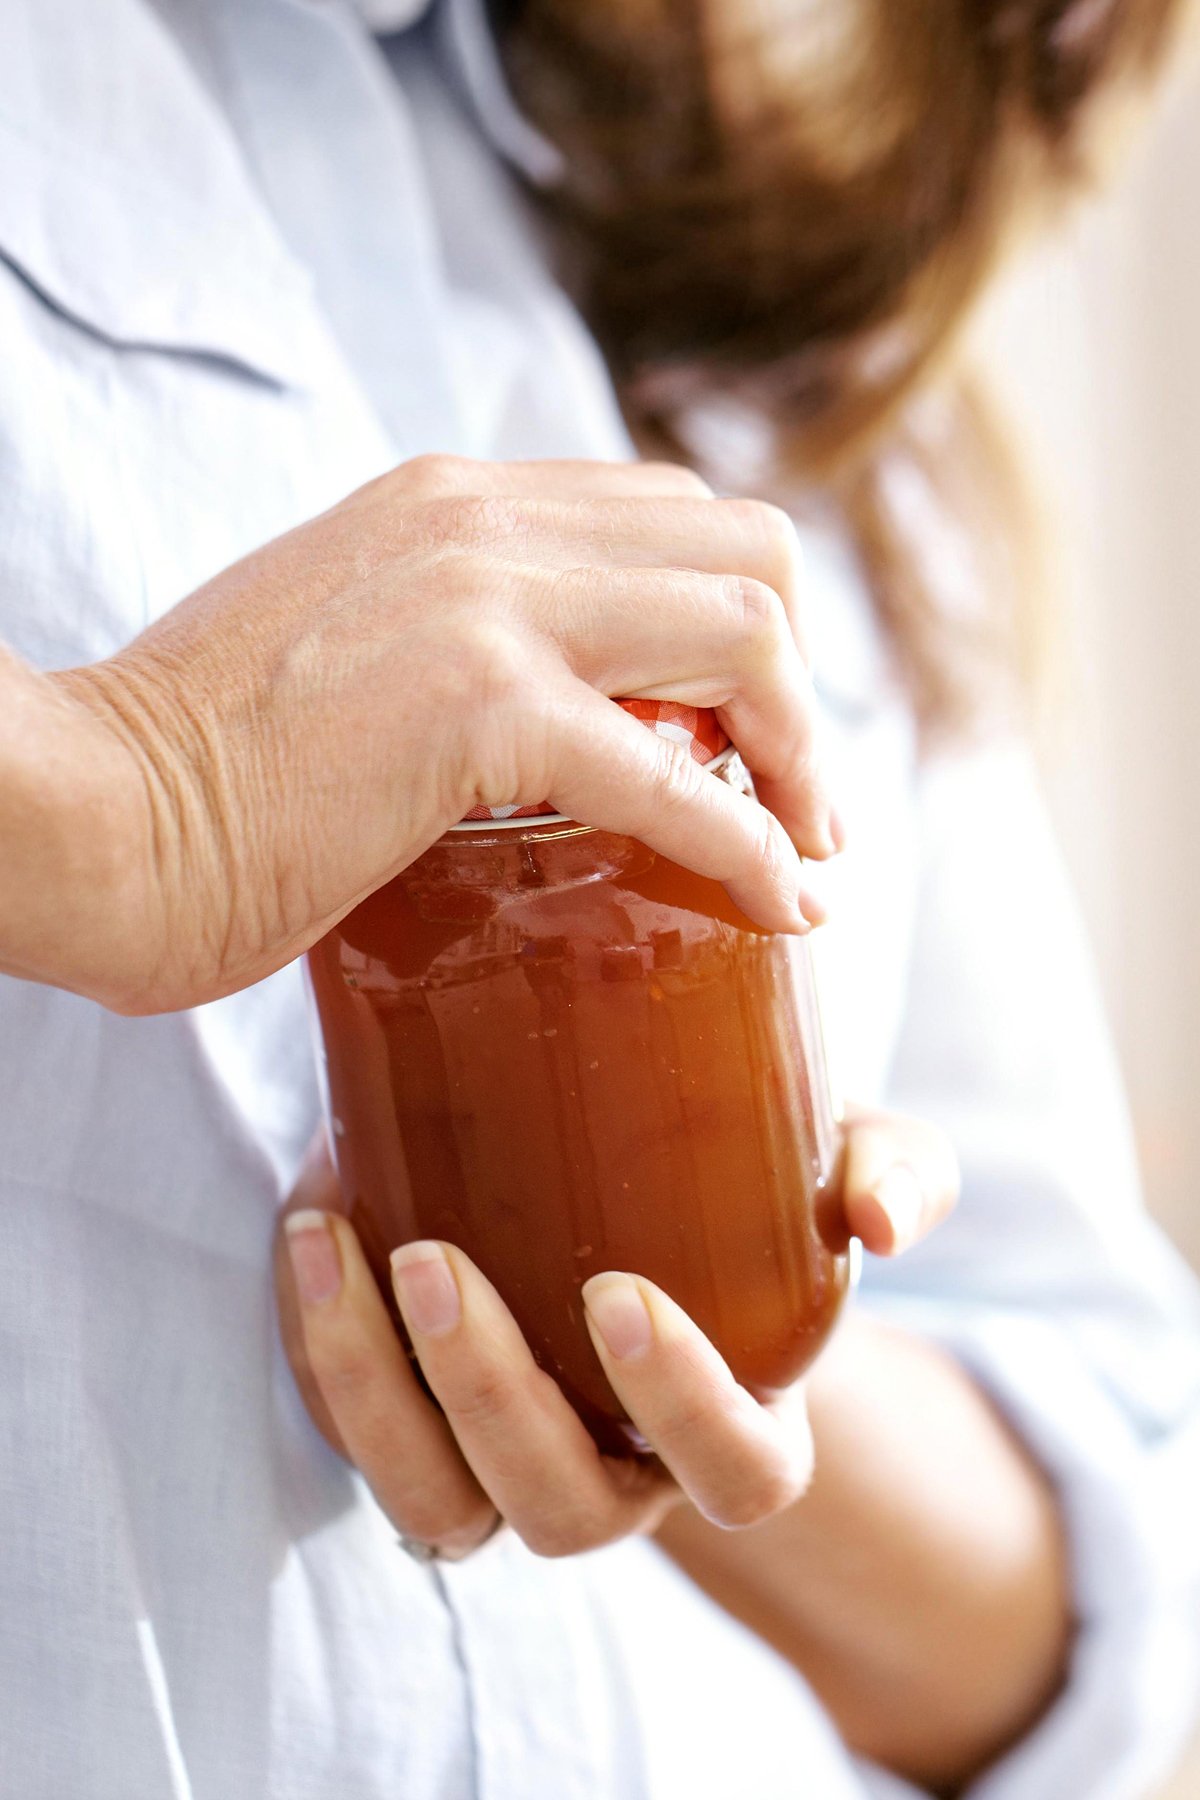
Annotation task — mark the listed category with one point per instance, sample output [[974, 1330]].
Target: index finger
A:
[[660, 527], [611, 772]]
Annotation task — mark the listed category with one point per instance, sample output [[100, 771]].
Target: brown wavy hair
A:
[[783, 209]]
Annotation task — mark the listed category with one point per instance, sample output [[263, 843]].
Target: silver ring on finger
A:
[[421, 1552]]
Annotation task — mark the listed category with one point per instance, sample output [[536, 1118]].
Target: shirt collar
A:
[[471, 49], [382, 16]]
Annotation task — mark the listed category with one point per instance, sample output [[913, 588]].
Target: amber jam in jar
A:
[[552, 1047]]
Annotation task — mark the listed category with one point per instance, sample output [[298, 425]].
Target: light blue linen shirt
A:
[[248, 259]]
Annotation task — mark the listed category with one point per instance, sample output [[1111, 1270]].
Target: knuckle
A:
[[500, 686], [477, 1395], [577, 591], [775, 527], [497, 666], [668, 477], [347, 1375], [759, 608], [478, 641], [775, 854], [675, 774], [779, 527], [436, 475], [780, 521]]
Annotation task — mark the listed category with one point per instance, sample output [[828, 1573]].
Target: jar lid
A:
[[695, 727]]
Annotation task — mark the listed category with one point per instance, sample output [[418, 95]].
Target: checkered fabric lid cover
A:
[[695, 727]]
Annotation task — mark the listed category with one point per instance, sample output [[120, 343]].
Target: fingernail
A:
[[810, 895], [837, 829], [618, 1311], [426, 1291], [316, 1264], [898, 1192], [797, 925], [812, 909]]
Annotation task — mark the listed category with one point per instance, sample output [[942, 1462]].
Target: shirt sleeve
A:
[[1050, 1283]]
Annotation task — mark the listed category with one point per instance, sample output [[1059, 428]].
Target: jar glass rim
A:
[[547, 825]]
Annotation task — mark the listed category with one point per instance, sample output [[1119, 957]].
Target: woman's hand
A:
[[506, 1444], [301, 728]]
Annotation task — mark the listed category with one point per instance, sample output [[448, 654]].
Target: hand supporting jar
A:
[[561, 1052]]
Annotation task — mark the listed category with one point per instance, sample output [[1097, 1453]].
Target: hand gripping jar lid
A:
[[696, 727]]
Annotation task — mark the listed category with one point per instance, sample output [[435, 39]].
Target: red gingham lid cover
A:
[[696, 727]]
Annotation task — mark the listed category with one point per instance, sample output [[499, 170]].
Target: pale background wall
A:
[[1096, 348]]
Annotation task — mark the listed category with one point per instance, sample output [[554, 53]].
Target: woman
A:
[[250, 263]]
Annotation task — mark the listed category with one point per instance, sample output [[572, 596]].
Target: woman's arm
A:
[[920, 1584], [68, 831], [187, 816]]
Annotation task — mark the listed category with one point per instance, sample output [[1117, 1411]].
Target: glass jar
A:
[[558, 1050]]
